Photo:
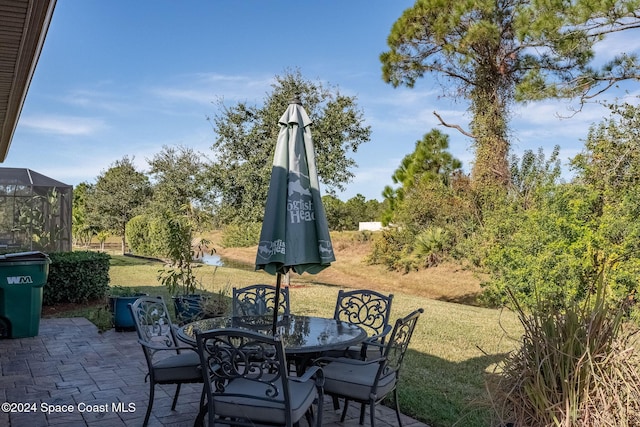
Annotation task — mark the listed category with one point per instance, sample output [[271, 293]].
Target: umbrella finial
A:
[[295, 99]]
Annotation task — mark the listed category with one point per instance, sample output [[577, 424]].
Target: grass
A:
[[576, 367], [455, 346]]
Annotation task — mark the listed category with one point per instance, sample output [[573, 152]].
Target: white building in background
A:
[[370, 226]]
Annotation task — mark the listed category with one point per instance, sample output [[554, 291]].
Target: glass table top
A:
[[300, 334]]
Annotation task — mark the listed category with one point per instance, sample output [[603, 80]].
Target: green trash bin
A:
[[22, 277]]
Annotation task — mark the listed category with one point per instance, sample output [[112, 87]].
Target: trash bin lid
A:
[[24, 256]]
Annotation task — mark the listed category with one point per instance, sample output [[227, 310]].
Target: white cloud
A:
[[63, 125], [111, 101], [182, 94], [552, 122], [204, 88], [369, 182], [400, 97], [615, 44]]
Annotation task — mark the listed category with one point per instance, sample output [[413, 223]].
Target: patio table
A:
[[304, 337]]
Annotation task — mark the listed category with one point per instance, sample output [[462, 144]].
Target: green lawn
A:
[[453, 350]]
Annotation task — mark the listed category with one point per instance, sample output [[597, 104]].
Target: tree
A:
[[348, 215], [82, 229], [495, 52], [429, 162], [246, 137], [534, 174], [334, 209], [553, 242], [177, 175], [611, 158], [610, 166], [119, 194]]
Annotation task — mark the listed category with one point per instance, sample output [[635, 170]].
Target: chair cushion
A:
[[355, 352], [180, 367], [355, 380], [352, 352], [264, 411]]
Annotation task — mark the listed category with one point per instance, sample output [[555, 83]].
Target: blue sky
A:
[[123, 78]]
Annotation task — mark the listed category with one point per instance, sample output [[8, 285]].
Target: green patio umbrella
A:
[[295, 234]]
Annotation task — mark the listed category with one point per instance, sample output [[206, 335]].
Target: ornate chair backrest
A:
[[153, 324], [259, 300], [367, 309], [398, 343], [256, 360]]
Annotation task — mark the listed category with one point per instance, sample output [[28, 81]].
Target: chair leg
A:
[[344, 410], [320, 407], [395, 397], [336, 403], [203, 409], [175, 397], [372, 413], [362, 407], [308, 416], [150, 405], [204, 392]]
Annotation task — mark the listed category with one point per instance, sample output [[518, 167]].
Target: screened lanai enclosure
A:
[[35, 212]]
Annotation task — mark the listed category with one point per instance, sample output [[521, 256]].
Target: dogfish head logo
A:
[[299, 204], [296, 187], [268, 249], [19, 280], [325, 248]]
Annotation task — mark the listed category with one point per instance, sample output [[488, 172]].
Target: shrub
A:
[[159, 235], [149, 235], [179, 277], [74, 277], [575, 367], [392, 248], [551, 252], [431, 245], [137, 234], [241, 235], [363, 236]]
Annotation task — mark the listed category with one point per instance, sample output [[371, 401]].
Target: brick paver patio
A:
[[70, 366]]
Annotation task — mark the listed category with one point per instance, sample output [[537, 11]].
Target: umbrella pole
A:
[[277, 303]]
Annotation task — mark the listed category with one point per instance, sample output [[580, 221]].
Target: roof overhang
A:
[[23, 28]]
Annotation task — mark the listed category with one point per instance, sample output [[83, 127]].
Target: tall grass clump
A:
[[576, 366]]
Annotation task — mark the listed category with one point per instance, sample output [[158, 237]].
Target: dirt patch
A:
[[446, 282], [54, 310]]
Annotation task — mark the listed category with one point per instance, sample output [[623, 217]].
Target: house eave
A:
[[23, 29]]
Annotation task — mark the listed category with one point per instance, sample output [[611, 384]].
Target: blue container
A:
[[188, 308], [122, 318]]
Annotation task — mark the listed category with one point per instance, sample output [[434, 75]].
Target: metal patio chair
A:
[[370, 310], [247, 382], [370, 381], [168, 362], [259, 300]]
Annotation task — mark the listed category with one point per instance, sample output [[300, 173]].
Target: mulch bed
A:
[[58, 309]]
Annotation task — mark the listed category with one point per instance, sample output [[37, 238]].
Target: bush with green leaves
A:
[[149, 234], [553, 250], [548, 252], [392, 248], [431, 246], [76, 277], [179, 277], [138, 235], [238, 235], [160, 235]]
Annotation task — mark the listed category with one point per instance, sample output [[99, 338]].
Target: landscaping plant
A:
[[575, 366]]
